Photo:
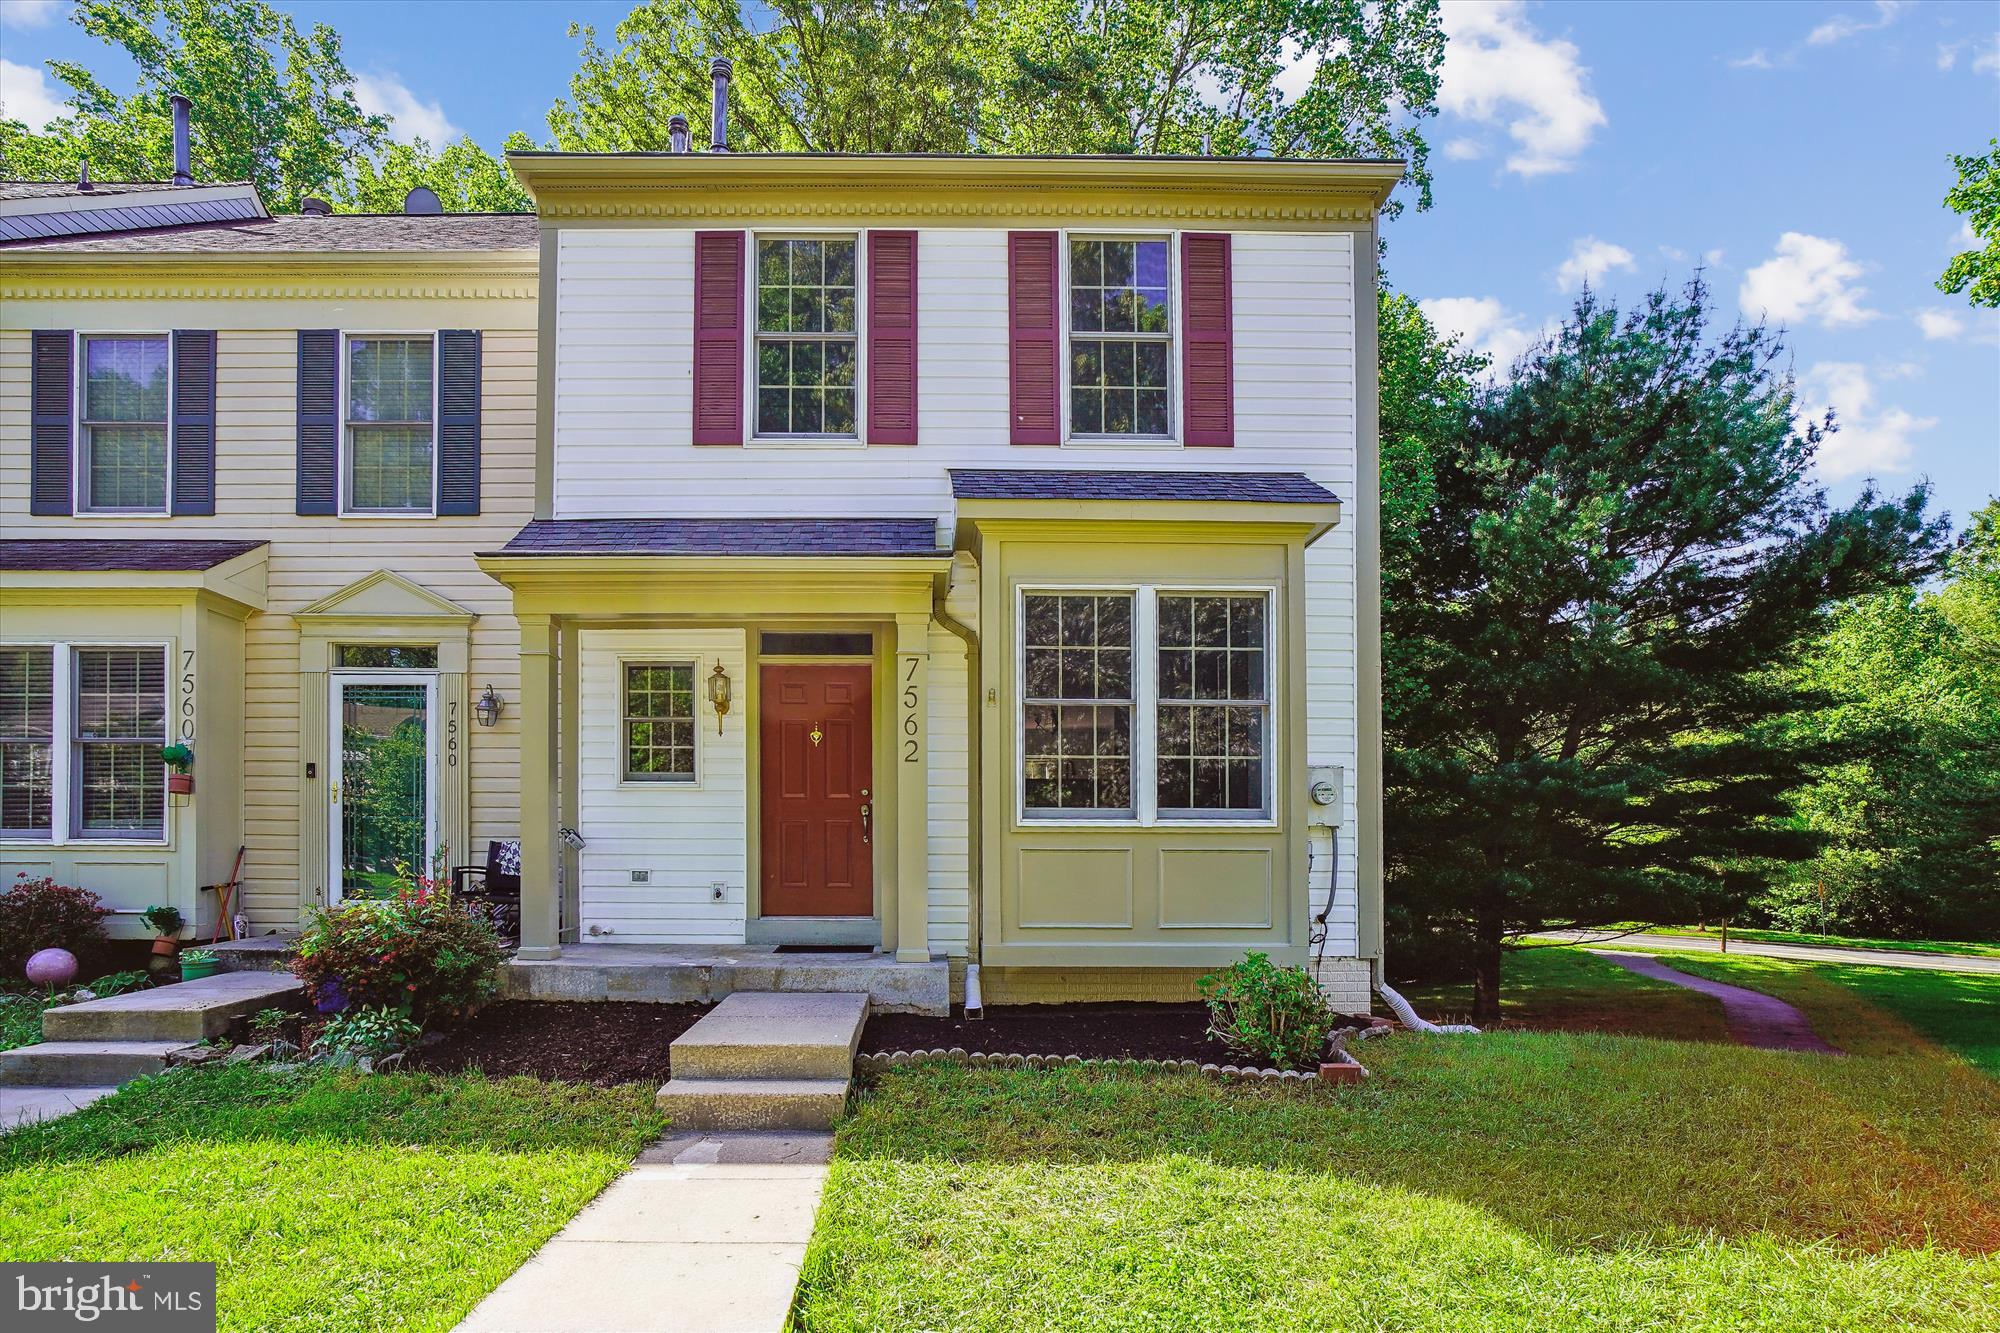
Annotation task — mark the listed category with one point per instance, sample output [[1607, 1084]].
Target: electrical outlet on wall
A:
[[718, 890], [642, 876]]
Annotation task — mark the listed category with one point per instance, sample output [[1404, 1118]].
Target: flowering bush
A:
[[1270, 1012], [42, 914], [422, 953]]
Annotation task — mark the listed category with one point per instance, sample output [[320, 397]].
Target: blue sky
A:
[[1796, 151]]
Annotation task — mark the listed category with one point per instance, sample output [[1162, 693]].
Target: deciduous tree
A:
[[1977, 195]]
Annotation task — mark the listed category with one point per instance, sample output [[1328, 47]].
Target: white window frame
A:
[[1145, 709], [671, 782], [1176, 340], [64, 772], [344, 482], [80, 445], [753, 436]]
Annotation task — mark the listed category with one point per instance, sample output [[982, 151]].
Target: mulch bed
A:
[[603, 1043], [1092, 1031]]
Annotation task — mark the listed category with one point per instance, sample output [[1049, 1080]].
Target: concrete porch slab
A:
[[682, 973], [189, 1011], [259, 953], [767, 1034]]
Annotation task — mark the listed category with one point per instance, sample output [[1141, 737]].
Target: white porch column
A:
[[540, 849], [912, 760]]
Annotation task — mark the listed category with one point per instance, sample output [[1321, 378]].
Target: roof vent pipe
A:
[[718, 128], [677, 134], [183, 174], [314, 207], [83, 175]]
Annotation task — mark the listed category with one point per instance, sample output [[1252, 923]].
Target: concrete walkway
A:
[[705, 1234], [1754, 1018], [1799, 953], [26, 1106]]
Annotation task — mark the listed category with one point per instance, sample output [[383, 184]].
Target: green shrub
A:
[[421, 953], [41, 914], [1272, 1013], [366, 1033]]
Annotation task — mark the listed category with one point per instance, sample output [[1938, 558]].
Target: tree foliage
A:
[[1624, 546], [1977, 196], [272, 105], [1022, 76], [465, 176]]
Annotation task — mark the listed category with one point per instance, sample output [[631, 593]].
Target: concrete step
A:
[[753, 1103], [83, 1064], [188, 1011], [773, 1036]]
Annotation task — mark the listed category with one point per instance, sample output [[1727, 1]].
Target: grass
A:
[[330, 1201], [1515, 1180], [1569, 990], [1963, 948]]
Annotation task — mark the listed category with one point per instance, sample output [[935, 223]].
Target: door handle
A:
[[866, 811], [334, 789]]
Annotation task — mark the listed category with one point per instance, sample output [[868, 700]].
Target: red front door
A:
[[817, 754]]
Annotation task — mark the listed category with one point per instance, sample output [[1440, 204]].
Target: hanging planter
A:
[[180, 759]]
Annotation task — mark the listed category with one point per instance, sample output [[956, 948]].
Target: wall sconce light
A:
[[718, 695], [487, 710]]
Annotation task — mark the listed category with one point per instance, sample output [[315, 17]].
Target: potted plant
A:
[[179, 758], [166, 923], [198, 963]]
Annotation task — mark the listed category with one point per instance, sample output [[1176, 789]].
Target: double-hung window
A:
[[1120, 338], [1151, 704], [806, 337], [123, 425], [659, 722], [390, 425], [81, 726]]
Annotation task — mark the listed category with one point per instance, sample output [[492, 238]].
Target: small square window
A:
[[659, 722]]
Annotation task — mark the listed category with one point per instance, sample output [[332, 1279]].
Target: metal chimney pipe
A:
[[718, 129], [183, 174], [677, 134]]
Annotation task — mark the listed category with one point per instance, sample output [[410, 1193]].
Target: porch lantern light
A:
[[487, 710], [718, 694]]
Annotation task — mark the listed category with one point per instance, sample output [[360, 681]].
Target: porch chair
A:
[[494, 888]]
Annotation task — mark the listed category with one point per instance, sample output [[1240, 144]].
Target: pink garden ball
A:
[[52, 967]]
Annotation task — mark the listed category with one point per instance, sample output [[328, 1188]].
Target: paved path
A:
[[25, 1106], [705, 1234], [1803, 953], [1754, 1018]]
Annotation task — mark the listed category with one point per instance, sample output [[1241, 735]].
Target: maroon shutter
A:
[[892, 337], [1034, 336], [718, 337], [1207, 380]]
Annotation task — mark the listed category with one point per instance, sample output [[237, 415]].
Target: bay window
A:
[[1149, 704], [806, 337], [81, 726], [390, 425], [122, 425]]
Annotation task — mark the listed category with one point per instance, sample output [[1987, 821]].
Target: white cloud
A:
[[1988, 61], [386, 95], [28, 13], [1809, 278], [25, 95], [1939, 324], [1464, 149], [1842, 26], [1755, 60], [1498, 71], [1868, 441], [1590, 259], [1482, 324]]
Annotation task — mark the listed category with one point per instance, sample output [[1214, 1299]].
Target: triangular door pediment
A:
[[384, 595]]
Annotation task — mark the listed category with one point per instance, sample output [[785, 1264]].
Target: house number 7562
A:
[[912, 706]]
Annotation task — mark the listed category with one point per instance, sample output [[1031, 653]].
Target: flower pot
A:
[[195, 971], [166, 945], [180, 784]]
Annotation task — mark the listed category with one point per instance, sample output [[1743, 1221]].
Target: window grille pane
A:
[[1210, 736], [127, 467], [121, 694], [125, 379], [1077, 715], [390, 467], [123, 787], [121, 712], [659, 721], [389, 379], [27, 730]]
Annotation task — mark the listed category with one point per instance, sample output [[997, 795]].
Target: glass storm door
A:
[[384, 739]]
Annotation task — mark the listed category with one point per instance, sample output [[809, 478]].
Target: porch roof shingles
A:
[[1071, 484], [149, 556], [726, 536]]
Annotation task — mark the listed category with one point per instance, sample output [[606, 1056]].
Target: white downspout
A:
[[1409, 1017]]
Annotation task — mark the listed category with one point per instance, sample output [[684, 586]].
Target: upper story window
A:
[[1120, 338], [389, 424], [122, 432], [806, 337]]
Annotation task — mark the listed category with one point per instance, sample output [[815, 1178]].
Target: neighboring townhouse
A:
[[245, 462], [961, 556]]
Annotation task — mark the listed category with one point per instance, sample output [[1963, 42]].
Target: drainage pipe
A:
[[973, 1007], [1409, 1016]]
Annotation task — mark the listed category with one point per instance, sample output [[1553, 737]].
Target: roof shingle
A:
[[341, 233], [725, 536], [147, 556], [1068, 484]]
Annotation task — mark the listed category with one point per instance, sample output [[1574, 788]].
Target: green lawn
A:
[[1967, 948], [330, 1201], [1515, 1180], [1552, 989]]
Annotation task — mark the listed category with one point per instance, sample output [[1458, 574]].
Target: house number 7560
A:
[[912, 706]]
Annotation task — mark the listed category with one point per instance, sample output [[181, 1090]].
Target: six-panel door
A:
[[817, 754]]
